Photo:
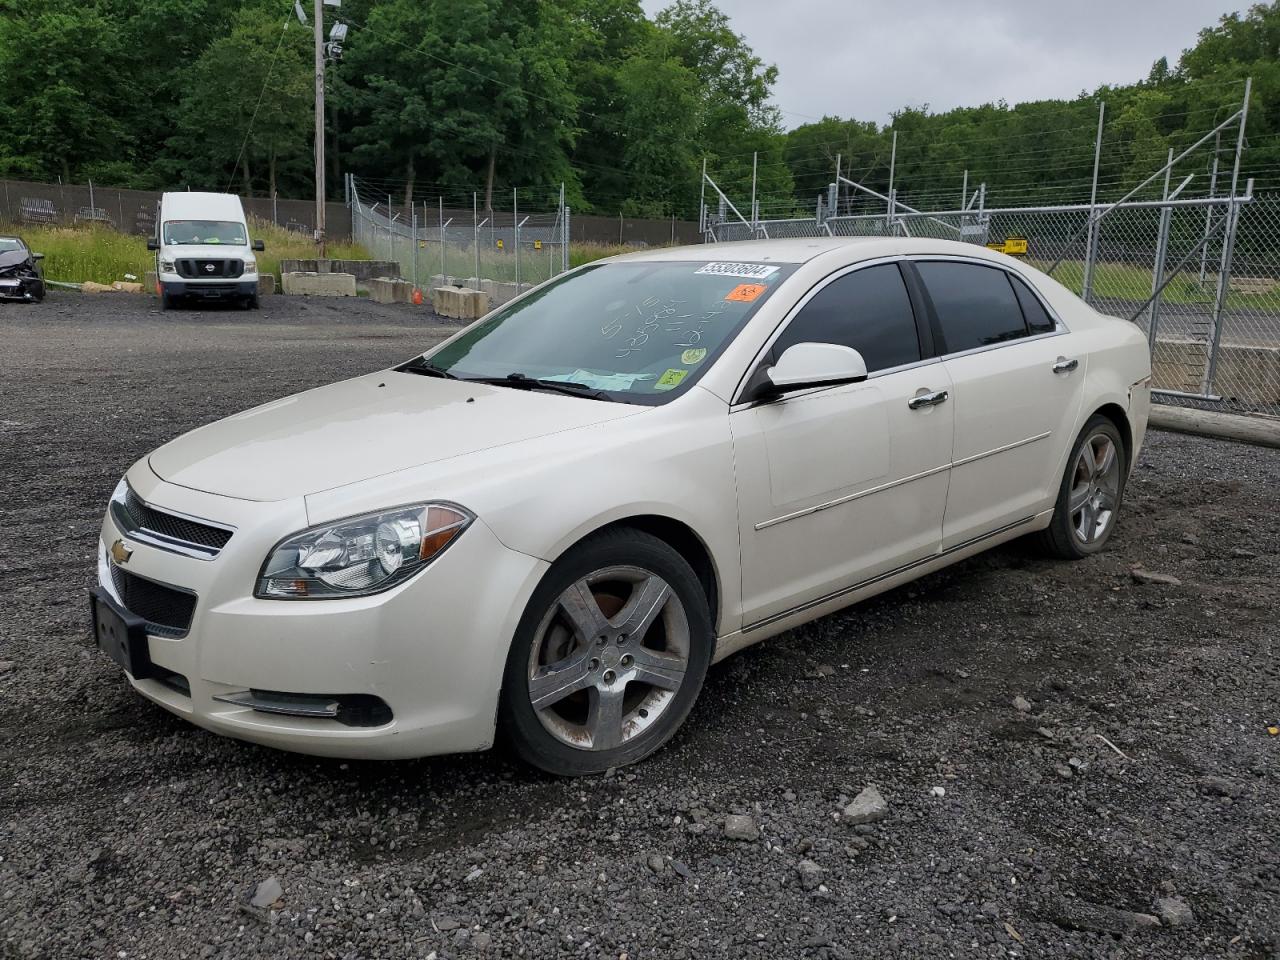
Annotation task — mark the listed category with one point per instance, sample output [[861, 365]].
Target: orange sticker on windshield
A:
[[745, 292]]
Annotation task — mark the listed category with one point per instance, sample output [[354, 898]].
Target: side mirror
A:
[[37, 256], [805, 365], [153, 244], [259, 245]]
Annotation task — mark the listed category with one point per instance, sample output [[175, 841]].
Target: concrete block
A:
[[362, 270], [266, 284], [150, 280], [459, 303], [319, 284], [387, 290]]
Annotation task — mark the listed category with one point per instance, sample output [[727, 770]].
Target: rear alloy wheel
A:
[[1089, 498], [609, 657]]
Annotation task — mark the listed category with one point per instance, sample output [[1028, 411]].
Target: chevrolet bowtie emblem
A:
[[121, 552]]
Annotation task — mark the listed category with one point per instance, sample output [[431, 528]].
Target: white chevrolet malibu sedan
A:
[[547, 527]]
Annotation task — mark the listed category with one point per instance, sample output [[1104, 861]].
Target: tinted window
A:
[[976, 306], [1038, 319], [868, 310]]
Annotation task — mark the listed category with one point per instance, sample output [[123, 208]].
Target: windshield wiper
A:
[[567, 387], [426, 368]]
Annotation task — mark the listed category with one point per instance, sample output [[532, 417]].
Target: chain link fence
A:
[[501, 252]]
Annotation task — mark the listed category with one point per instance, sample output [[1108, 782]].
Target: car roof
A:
[[804, 249], [201, 206]]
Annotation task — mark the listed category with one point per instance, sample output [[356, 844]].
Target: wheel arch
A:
[[1120, 417], [681, 538]]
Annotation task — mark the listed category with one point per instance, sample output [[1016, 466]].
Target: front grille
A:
[[194, 269], [170, 525], [168, 611]]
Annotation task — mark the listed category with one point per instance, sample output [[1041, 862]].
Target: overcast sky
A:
[[863, 59]]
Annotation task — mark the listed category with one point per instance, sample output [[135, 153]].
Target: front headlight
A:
[[166, 266], [360, 555], [250, 265]]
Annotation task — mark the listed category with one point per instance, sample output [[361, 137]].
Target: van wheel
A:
[[1088, 504], [609, 656], [167, 301], [251, 303]]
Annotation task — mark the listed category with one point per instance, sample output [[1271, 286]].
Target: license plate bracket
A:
[[120, 634]]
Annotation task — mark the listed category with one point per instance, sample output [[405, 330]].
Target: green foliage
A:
[[455, 96]]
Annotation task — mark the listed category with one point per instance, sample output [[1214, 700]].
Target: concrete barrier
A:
[[1244, 372], [498, 291], [266, 284], [319, 284], [362, 270], [459, 303], [387, 290]]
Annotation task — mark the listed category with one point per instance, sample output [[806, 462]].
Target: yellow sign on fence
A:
[[537, 244], [1013, 246], [499, 244]]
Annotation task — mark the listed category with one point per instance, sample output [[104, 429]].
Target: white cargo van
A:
[[203, 250]]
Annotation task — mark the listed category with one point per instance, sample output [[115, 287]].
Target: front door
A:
[[842, 484]]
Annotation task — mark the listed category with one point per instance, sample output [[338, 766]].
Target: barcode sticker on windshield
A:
[[747, 271]]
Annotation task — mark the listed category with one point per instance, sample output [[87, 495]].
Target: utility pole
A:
[[319, 30]]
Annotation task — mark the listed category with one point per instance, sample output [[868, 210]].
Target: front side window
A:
[[193, 232], [868, 310], [640, 331], [975, 305]]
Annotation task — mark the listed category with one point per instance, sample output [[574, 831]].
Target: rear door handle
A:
[[1064, 365], [928, 399]]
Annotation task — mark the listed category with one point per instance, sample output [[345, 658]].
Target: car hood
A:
[[364, 428], [13, 258]]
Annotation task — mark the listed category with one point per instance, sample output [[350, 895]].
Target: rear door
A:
[[1017, 388], [838, 485]]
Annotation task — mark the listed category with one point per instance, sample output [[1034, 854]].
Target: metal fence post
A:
[[564, 258], [413, 244], [893, 163], [1091, 239], [444, 269], [515, 230], [1228, 247], [475, 220], [1208, 211], [1162, 253]]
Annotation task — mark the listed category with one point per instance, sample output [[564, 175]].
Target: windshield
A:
[[642, 332], [187, 232], [9, 244]]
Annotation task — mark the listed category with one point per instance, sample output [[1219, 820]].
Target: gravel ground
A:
[[976, 701]]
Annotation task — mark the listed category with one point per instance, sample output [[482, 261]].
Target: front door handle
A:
[[928, 399], [1064, 365]]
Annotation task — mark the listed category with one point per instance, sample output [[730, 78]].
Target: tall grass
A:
[[101, 254]]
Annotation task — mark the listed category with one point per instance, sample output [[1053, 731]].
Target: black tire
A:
[[1063, 538], [634, 550], [252, 303], [168, 301]]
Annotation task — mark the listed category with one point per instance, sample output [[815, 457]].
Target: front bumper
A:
[[21, 288], [211, 289], [432, 649]]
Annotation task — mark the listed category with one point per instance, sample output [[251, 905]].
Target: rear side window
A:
[[1038, 319], [868, 310], [976, 306]]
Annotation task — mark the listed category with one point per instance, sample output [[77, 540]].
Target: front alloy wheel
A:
[[609, 656]]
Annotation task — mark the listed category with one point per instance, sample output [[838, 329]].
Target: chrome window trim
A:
[[738, 403]]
